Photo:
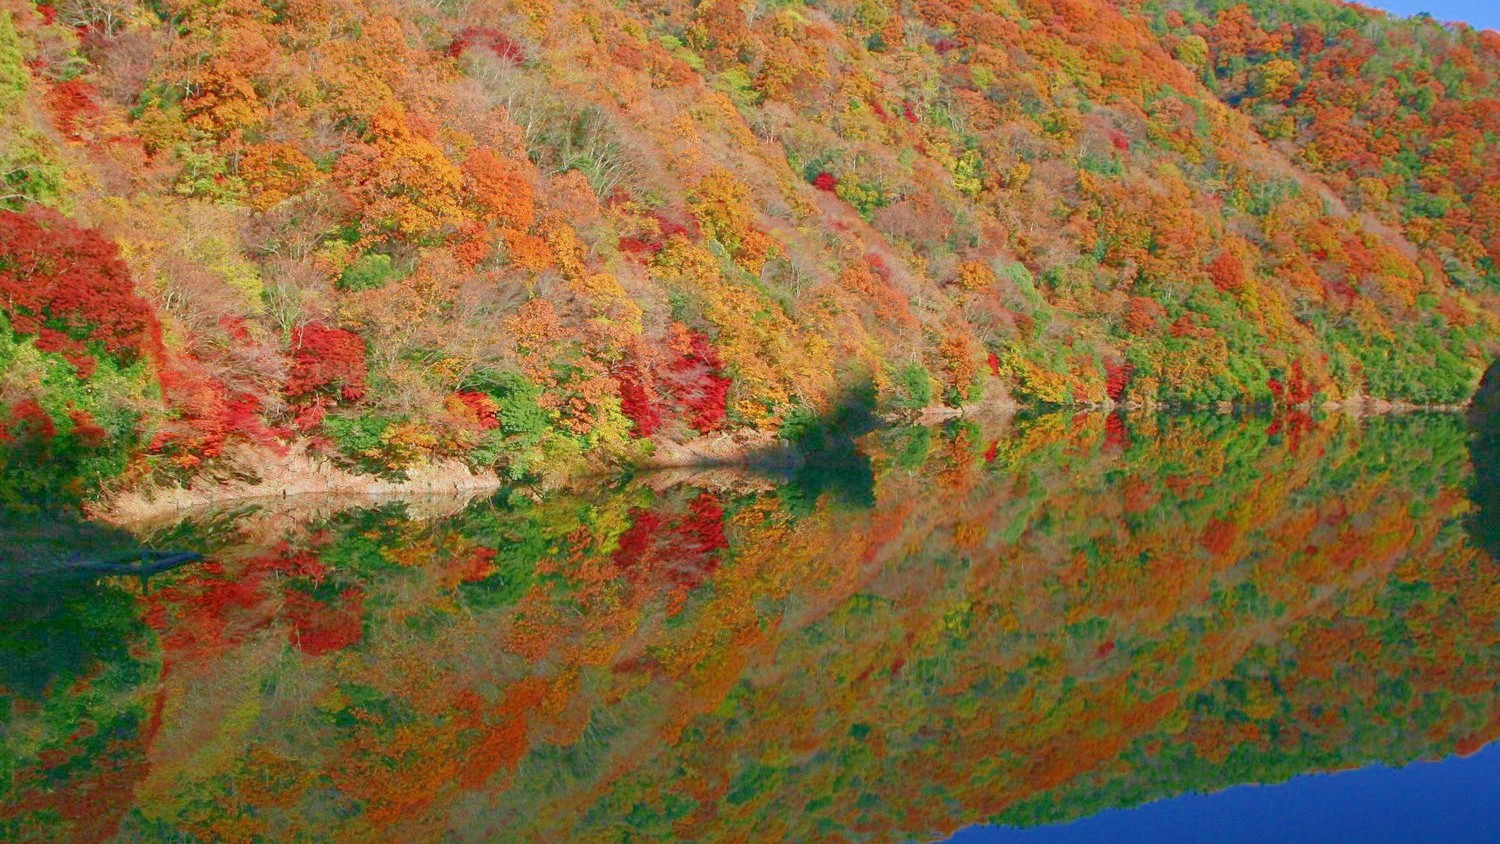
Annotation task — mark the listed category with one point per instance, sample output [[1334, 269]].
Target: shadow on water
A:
[[80, 662], [55, 544], [60, 618], [834, 463], [43, 535], [1484, 450], [818, 455], [68, 596]]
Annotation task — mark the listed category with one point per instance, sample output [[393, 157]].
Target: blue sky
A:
[[1481, 14]]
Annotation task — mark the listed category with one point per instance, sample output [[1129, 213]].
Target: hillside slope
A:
[[528, 233]]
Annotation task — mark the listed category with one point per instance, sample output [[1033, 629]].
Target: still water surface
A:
[[949, 627]]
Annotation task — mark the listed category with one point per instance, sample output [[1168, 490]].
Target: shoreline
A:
[[267, 476], [298, 475]]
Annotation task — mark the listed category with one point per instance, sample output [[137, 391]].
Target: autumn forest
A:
[[529, 236]]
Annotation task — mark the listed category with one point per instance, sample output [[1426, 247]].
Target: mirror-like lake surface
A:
[[949, 627]]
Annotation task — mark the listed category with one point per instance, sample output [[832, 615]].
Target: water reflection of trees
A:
[[1030, 623]]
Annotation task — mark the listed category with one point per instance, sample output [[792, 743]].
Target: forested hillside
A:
[[525, 233]]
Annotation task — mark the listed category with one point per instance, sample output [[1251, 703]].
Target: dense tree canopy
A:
[[670, 220]]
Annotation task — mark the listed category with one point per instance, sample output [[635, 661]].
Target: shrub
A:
[[975, 275], [487, 38], [67, 286], [696, 380], [1116, 378], [14, 79], [371, 271], [865, 197], [382, 445], [911, 387], [636, 401], [326, 363], [29, 172], [521, 425], [1227, 272], [475, 407]]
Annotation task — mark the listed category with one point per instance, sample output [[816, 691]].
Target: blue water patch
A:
[[1455, 801]]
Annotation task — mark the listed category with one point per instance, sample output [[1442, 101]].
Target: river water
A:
[[945, 628]]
